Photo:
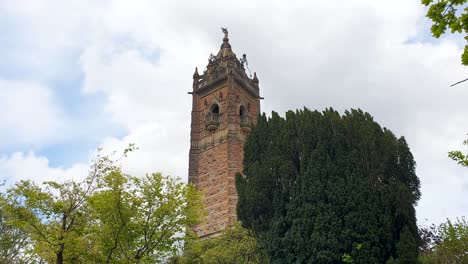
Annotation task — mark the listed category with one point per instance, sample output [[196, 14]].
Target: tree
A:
[[326, 188], [429, 238], [447, 14], [142, 220], [454, 246], [451, 244], [13, 242], [109, 217], [52, 214], [235, 245]]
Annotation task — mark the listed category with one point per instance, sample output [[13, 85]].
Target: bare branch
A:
[[459, 82]]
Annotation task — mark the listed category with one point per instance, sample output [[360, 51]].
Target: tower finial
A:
[[225, 31], [225, 44]]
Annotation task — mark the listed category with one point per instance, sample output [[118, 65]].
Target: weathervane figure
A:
[[225, 31]]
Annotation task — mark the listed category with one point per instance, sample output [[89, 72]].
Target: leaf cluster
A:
[[234, 245], [449, 14], [459, 157]]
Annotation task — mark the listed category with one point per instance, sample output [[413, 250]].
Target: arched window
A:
[[242, 111], [212, 117], [244, 119], [214, 109]]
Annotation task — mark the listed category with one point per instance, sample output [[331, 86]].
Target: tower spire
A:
[[225, 47]]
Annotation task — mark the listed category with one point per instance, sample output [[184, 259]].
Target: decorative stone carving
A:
[[211, 121]]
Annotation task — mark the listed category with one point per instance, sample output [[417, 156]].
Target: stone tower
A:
[[225, 105]]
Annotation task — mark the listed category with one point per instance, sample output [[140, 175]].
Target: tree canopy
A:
[[109, 217], [449, 15], [13, 241], [320, 187], [448, 243], [234, 245]]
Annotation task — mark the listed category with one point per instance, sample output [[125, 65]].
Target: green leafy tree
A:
[[52, 214], [449, 15], [235, 245], [454, 246], [320, 187], [142, 220], [109, 217], [14, 242]]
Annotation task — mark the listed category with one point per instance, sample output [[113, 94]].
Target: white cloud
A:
[[159, 149], [29, 114], [28, 166], [47, 35], [137, 90], [141, 55]]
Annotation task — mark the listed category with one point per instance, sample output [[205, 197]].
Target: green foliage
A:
[[52, 214], [451, 246], [454, 246], [325, 188], [109, 217], [141, 220], [235, 245], [347, 258], [449, 14], [391, 261], [13, 241], [459, 157], [406, 250]]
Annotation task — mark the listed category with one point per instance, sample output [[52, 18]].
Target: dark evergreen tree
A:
[[319, 186]]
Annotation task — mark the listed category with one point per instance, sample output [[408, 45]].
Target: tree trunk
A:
[[62, 245], [60, 255]]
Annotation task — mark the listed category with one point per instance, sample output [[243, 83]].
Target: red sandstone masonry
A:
[[216, 155]]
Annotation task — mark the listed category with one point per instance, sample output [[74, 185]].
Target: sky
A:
[[80, 75]]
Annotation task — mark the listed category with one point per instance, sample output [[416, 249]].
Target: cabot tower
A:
[[225, 105]]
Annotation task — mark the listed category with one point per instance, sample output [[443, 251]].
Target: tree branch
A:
[[459, 82]]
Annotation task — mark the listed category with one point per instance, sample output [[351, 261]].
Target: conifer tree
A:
[[320, 186]]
